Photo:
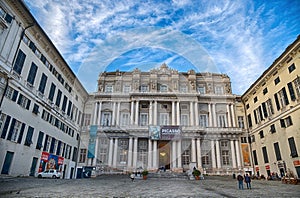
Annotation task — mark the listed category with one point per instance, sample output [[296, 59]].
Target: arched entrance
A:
[[164, 154]]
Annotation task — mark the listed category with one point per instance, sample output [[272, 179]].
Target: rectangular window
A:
[[277, 151], [163, 88], [126, 88], [32, 74], [255, 157], [255, 99], [219, 90], [272, 128], [293, 148], [14, 130], [39, 143], [265, 154], [292, 92], [106, 119], [18, 66], [43, 83], [108, 88], [52, 92], [144, 88], [201, 90], [261, 134], [203, 120], [225, 157], [222, 120], [186, 157], [64, 104], [24, 101], [277, 80], [265, 91], [249, 120], [74, 157], [277, 101], [82, 156], [243, 139], [28, 140], [69, 108], [144, 119], [205, 159], [142, 151], [264, 109], [58, 98], [125, 118], [183, 89], [35, 109], [164, 119], [292, 68], [270, 107], [297, 86], [184, 119]]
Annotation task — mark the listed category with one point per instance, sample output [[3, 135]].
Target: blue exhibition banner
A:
[[92, 141]]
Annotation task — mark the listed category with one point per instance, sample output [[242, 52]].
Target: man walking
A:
[[248, 181], [240, 182]]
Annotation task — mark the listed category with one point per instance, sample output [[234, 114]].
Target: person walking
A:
[[248, 181], [240, 182]]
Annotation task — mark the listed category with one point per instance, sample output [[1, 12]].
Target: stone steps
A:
[[168, 175]]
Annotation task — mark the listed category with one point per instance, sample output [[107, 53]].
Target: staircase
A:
[[168, 175]]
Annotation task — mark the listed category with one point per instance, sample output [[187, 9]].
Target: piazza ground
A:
[[122, 186]]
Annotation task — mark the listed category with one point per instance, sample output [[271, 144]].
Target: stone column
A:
[[96, 151], [137, 113], [238, 156], [233, 154], [95, 113], [193, 150], [110, 152], [210, 115], [213, 154], [151, 113], [155, 154], [129, 162], [192, 113], [214, 115], [115, 154], [233, 115], [135, 152], [132, 113], [178, 113], [99, 114], [199, 161], [228, 115], [174, 154], [150, 154], [218, 154], [114, 114], [196, 114], [179, 161], [118, 114], [155, 113], [173, 113]]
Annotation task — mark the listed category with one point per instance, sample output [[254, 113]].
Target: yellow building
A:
[[273, 115]]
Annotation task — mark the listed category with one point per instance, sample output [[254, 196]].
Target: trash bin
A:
[[233, 176]]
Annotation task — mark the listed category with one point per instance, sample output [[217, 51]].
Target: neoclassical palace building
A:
[[163, 119]]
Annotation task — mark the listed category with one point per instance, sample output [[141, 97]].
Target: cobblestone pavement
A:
[[122, 186]]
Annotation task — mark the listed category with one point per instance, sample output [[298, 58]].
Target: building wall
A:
[[273, 112], [127, 104], [27, 109]]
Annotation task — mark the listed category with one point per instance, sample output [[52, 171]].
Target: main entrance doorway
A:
[[164, 154]]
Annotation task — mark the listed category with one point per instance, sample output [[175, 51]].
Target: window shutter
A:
[[20, 99], [255, 116], [15, 95], [28, 140], [293, 147], [11, 130], [21, 133], [5, 127], [282, 123], [277, 102], [18, 66], [286, 100], [8, 18], [291, 90], [28, 104], [264, 109]]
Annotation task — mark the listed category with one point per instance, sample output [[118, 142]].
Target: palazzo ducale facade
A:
[[162, 119]]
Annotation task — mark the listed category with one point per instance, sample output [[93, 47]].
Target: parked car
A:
[[49, 174]]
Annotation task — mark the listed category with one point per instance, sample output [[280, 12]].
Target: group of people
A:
[[247, 180]]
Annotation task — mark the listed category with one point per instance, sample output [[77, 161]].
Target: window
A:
[[108, 88], [269, 107], [58, 98], [286, 122], [255, 99], [47, 143], [64, 104], [125, 118], [184, 119], [144, 88], [205, 159], [222, 120], [293, 148], [252, 138], [103, 155], [261, 134], [74, 157], [39, 143], [87, 119], [52, 92], [297, 86], [144, 119], [247, 106], [69, 108], [265, 91], [277, 80], [32, 74], [241, 122], [164, 119], [277, 151], [203, 120], [123, 147], [52, 145], [291, 90], [272, 128], [183, 89], [24, 102], [283, 97], [249, 120], [225, 157], [292, 68], [201, 90], [106, 119], [18, 66], [265, 154], [219, 90], [186, 153], [43, 83], [142, 151], [15, 131], [255, 157], [243, 139], [126, 88], [28, 140], [35, 109], [163, 88]]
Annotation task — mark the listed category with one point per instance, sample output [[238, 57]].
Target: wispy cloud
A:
[[242, 37]]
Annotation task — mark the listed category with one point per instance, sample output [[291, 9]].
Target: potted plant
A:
[[196, 174], [145, 173]]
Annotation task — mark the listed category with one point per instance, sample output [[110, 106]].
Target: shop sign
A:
[[45, 156], [296, 163], [60, 160], [267, 167]]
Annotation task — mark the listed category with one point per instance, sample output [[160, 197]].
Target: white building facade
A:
[[162, 119], [42, 101]]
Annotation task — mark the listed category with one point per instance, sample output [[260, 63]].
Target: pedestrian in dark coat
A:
[[248, 181], [240, 181]]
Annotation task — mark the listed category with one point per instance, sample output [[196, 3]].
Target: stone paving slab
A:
[[122, 186]]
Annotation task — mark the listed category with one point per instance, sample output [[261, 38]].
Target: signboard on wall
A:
[[246, 154], [92, 141], [165, 132]]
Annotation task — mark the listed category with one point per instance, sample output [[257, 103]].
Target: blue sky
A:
[[238, 37]]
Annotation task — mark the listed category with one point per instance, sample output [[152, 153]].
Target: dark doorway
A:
[[164, 154], [72, 172], [7, 162], [298, 171], [33, 166], [64, 171]]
